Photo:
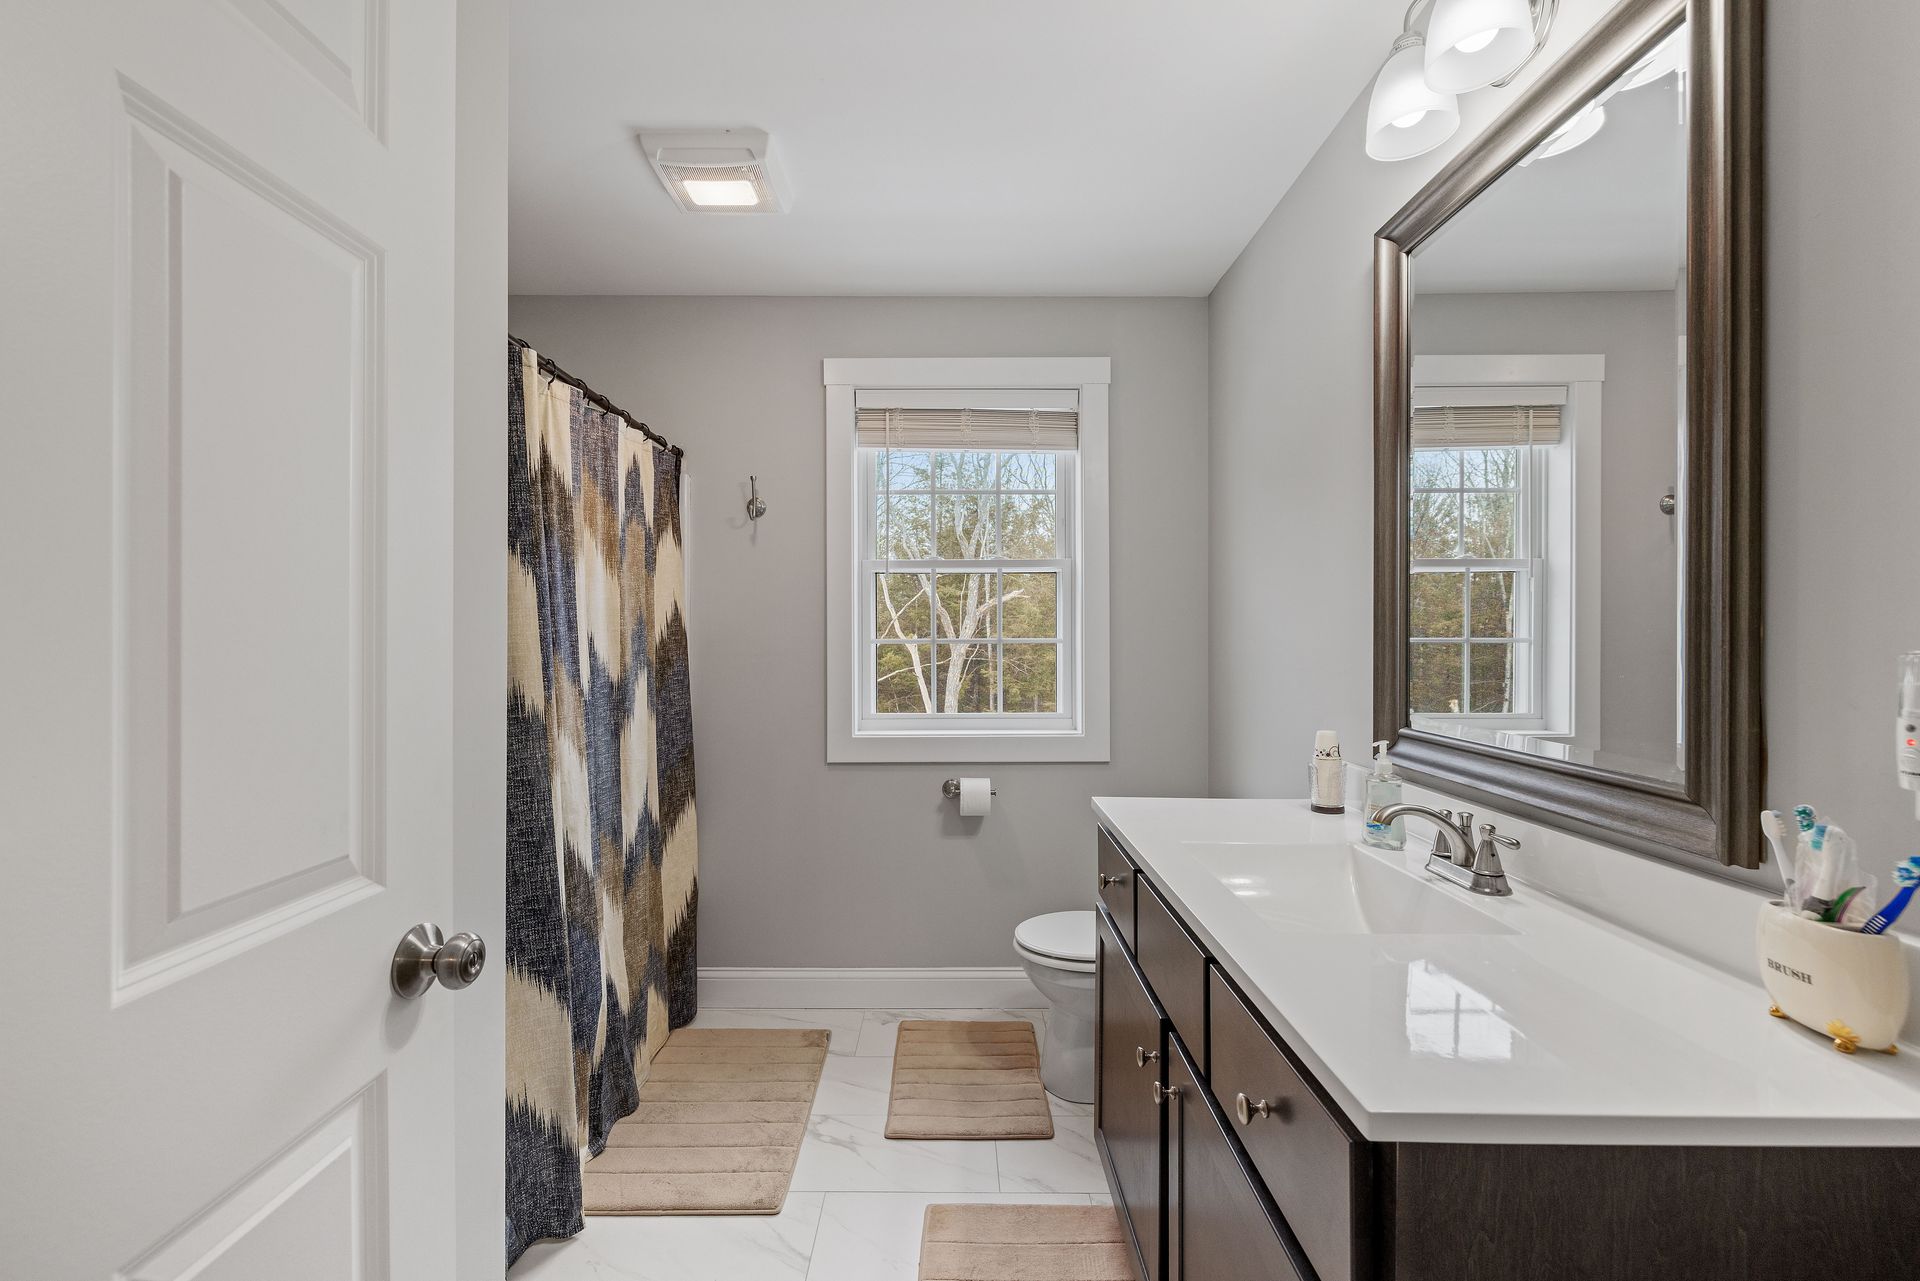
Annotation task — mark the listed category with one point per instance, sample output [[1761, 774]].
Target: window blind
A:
[[876, 428], [1485, 426]]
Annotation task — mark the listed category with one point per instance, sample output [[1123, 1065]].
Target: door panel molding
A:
[[248, 439], [333, 1177]]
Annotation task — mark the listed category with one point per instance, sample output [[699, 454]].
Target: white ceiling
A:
[[1040, 147], [1609, 215]]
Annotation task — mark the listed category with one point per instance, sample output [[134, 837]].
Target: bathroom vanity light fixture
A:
[[1406, 116], [1467, 45], [1474, 43], [716, 170]]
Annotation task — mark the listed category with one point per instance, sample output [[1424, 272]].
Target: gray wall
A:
[[1291, 351], [1639, 445], [802, 864]]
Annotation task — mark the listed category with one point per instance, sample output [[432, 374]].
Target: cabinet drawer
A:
[[1218, 1226], [1175, 967], [1117, 878], [1130, 1046], [1314, 1169]]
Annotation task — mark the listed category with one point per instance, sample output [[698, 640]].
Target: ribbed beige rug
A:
[[1023, 1243], [959, 1080], [721, 1117]]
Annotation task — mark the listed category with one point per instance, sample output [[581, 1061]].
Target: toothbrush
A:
[[1774, 824], [1908, 876], [1803, 819], [1825, 869]]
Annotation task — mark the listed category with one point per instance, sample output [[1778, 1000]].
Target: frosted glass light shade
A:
[[1405, 116], [1578, 128], [1472, 43]]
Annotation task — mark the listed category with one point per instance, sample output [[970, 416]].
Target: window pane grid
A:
[[1467, 506], [995, 462], [958, 634]]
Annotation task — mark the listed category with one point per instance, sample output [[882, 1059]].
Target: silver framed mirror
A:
[[1566, 416]]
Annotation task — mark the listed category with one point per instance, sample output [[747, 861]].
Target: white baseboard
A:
[[987, 988]]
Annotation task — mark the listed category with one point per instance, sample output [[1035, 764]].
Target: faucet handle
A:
[[1488, 834]]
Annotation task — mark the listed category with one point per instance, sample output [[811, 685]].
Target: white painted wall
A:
[[1291, 430], [806, 864]]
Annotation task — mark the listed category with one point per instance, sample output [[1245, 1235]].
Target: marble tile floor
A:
[[857, 1200]]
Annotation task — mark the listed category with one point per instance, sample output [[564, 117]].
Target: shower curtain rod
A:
[[552, 370]]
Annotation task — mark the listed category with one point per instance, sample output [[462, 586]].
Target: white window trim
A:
[[1583, 376], [1088, 735]]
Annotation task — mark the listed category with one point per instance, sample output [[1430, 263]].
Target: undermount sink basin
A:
[[1337, 889]]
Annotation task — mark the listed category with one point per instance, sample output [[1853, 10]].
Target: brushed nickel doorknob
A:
[[1161, 1093], [1143, 1056], [1246, 1109], [425, 956]]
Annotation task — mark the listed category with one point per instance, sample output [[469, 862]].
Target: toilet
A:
[[1057, 952]]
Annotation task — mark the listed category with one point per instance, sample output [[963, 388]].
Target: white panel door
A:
[[226, 509]]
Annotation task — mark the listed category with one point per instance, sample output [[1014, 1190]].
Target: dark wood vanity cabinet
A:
[[1315, 1165], [1219, 1225], [1129, 1049], [1228, 1162]]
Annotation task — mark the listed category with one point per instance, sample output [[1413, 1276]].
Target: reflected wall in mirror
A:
[[1548, 323], [1566, 401]]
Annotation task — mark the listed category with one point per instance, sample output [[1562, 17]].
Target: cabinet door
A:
[[1219, 1228], [1130, 1049]]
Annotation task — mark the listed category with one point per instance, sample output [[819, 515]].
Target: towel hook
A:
[[756, 505]]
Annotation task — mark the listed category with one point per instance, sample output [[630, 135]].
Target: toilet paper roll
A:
[[976, 797]]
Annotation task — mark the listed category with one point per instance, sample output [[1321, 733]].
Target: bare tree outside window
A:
[[1469, 622], [964, 621]]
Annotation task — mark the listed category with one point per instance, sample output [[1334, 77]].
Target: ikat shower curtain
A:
[[601, 846]]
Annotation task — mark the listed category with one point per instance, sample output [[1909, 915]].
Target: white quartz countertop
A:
[[1558, 1028]]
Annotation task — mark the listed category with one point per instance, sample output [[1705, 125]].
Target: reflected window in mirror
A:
[[1477, 510]]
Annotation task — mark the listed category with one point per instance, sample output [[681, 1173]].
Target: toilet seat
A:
[[1062, 939]]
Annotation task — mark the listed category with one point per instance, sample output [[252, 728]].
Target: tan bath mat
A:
[[721, 1117], [959, 1080], [1023, 1243]]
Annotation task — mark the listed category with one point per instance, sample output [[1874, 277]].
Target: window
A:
[[1470, 611], [974, 553], [1476, 527], [970, 564]]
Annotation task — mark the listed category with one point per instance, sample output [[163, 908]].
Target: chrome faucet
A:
[[1457, 856]]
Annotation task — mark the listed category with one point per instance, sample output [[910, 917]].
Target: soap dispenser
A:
[[1383, 788]]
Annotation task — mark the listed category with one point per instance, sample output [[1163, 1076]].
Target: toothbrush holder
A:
[[1846, 985]]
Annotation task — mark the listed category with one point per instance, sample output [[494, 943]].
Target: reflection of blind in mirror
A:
[[1485, 426]]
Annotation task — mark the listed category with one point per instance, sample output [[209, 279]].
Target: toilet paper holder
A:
[[951, 789]]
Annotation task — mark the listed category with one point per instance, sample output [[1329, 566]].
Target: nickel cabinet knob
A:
[[1246, 1109], [1143, 1056]]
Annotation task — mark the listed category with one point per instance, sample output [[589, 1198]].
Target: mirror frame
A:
[[1713, 814]]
